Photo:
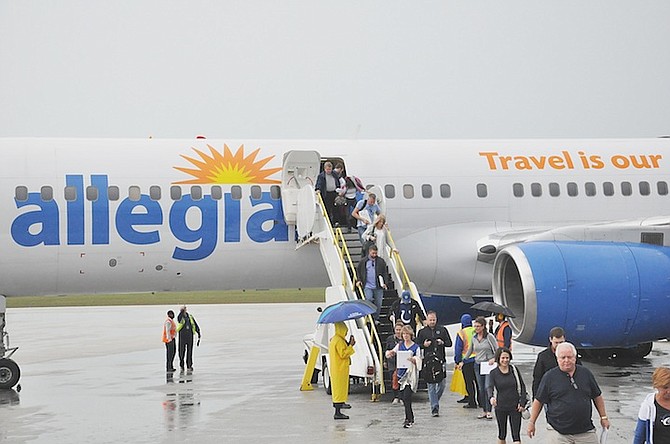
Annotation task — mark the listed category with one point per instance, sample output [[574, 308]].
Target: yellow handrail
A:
[[338, 236], [395, 254]]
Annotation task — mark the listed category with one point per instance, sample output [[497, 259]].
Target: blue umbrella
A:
[[346, 310]]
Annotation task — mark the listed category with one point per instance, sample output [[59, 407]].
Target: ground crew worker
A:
[[340, 351], [187, 328], [169, 338], [464, 357], [503, 332]]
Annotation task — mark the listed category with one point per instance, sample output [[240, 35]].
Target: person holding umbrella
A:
[[503, 332], [340, 350]]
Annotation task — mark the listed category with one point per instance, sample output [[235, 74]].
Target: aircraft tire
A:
[[326, 378], [9, 373]]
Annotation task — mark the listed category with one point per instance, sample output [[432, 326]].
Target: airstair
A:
[[340, 253]]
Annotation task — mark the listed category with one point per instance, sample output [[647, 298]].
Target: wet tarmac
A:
[[97, 375]]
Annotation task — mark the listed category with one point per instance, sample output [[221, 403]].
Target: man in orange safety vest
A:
[[169, 338]]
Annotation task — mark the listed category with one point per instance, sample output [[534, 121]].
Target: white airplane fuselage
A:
[[115, 215], [436, 234]]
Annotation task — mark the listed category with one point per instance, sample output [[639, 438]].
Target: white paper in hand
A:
[[603, 436], [402, 358]]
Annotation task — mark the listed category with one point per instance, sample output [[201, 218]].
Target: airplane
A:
[[564, 232]]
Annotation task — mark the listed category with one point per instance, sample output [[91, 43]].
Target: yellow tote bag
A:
[[458, 382]]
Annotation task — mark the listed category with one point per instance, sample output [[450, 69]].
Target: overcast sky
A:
[[337, 69]]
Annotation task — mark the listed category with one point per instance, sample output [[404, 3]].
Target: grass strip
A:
[[172, 298]]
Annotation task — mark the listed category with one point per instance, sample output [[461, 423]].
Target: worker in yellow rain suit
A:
[[339, 351]]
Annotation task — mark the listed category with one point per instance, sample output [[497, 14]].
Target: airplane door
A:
[[381, 199], [299, 170]]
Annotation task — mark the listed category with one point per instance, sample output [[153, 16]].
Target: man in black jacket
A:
[[433, 339], [187, 327], [372, 276]]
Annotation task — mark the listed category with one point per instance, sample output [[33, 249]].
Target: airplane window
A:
[[196, 192], [175, 192], [368, 186], [590, 188], [134, 193], [91, 193], [155, 192], [46, 194], [389, 191], [256, 192], [626, 188], [482, 190], [113, 192], [236, 192], [535, 189], [662, 188], [216, 192], [70, 194], [21, 193], [645, 189], [554, 189], [445, 190], [275, 192], [608, 189], [408, 191], [426, 191], [572, 189], [517, 189]]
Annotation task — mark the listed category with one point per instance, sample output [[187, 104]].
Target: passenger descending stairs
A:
[[340, 253]]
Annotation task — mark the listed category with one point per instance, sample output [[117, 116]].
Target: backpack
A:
[[433, 369]]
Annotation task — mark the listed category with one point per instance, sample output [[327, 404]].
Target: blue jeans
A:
[[375, 295], [484, 382], [361, 230], [435, 390]]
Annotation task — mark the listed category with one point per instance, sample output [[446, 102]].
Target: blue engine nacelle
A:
[[603, 294]]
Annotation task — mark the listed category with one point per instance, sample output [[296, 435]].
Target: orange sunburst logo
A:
[[227, 167]]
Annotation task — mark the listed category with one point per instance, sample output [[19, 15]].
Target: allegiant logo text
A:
[[138, 222]]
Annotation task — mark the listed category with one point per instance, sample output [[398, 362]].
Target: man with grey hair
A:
[[568, 391]]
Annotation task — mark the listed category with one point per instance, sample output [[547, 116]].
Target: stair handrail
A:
[[395, 254], [374, 336]]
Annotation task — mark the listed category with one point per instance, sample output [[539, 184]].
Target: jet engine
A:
[[604, 294]]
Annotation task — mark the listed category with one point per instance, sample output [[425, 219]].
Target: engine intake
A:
[[604, 294]]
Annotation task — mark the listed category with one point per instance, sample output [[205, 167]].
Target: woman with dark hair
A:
[[653, 420], [485, 345], [511, 397]]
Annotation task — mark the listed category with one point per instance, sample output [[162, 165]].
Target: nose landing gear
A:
[[9, 370]]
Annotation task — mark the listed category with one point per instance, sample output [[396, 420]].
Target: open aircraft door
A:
[[299, 171]]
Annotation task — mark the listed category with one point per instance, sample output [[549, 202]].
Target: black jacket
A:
[[433, 334], [380, 270], [415, 311]]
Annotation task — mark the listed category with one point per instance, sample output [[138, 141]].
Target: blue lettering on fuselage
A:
[[138, 222]]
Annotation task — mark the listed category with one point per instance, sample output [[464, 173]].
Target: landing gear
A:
[[9, 370], [9, 373]]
